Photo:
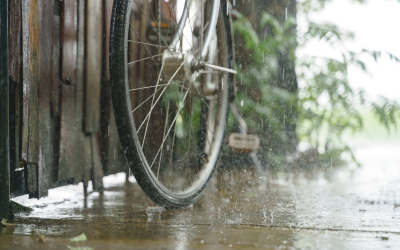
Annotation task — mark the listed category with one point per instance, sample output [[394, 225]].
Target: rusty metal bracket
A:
[[4, 114]]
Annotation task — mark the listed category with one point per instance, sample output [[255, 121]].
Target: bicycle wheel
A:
[[169, 64]]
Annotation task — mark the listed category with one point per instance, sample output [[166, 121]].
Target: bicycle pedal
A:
[[243, 143]]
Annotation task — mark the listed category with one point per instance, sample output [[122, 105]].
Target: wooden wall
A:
[[62, 128]]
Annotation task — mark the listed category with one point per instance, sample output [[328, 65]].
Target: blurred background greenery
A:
[[302, 107]]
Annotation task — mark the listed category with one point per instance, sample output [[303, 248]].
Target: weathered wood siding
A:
[[63, 125], [4, 114]]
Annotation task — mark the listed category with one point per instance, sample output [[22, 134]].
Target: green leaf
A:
[[272, 22], [80, 248], [394, 58], [78, 238]]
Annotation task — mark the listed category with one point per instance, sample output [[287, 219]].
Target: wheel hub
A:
[[183, 66], [179, 66]]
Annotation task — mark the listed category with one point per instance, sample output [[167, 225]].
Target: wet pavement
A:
[[343, 208]]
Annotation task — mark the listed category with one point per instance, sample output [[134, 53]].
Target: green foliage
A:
[[307, 6], [327, 106], [326, 103], [387, 111], [263, 103]]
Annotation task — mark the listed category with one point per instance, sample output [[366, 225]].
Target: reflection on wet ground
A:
[[346, 208]]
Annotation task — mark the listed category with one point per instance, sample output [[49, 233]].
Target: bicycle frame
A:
[[213, 21]]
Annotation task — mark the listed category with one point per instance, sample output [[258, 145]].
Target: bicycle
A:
[[171, 65]]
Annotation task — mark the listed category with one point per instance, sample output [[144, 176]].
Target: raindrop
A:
[[241, 103], [265, 214], [286, 14]]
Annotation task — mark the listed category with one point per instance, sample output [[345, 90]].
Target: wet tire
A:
[[127, 124]]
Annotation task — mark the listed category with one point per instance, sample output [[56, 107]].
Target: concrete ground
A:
[[343, 208]]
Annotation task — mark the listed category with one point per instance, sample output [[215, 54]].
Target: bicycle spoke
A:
[[150, 57], [159, 85], [155, 45], [176, 116], [148, 51], [162, 146], [201, 99], [165, 43], [172, 148], [146, 100], [150, 44], [176, 72], [147, 125], [190, 133], [205, 103]]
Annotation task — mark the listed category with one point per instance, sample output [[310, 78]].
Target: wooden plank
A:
[[26, 79], [4, 114], [116, 159], [80, 165], [93, 169], [17, 177], [32, 177], [15, 41], [94, 39], [105, 88], [47, 133], [17, 127], [106, 110], [56, 59], [97, 170], [68, 133], [88, 163], [68, 38], [30, 62]]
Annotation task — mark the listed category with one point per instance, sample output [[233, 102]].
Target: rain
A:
[[199, 124]]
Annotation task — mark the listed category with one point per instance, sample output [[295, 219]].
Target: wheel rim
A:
[[177, 128]]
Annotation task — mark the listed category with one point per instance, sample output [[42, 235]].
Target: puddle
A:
[[347, 208]]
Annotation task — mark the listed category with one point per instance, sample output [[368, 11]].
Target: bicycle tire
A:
[[126, 126]]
